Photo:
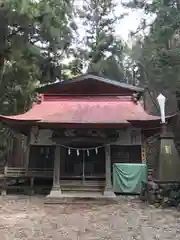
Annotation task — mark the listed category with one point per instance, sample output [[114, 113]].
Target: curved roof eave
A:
[[84, 111], [16, 119]]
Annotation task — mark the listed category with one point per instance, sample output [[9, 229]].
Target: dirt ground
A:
[[129, 219]]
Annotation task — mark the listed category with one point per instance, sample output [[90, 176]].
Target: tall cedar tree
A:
[[35, 37], [158, 55], [103, 51]]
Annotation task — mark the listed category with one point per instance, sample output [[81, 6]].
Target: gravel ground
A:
[[29, 218]]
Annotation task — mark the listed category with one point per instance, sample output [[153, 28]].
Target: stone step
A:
[[82, 186], [82, 189], [80, 183], [81, 198], [81, 201]]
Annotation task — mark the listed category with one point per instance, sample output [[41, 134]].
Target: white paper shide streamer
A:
[[78, 152]]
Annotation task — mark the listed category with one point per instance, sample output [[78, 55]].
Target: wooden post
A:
[[56, 175], [5, 170], [56, 189], [27, 154], [108, 191], [4, 189], [31, 185]]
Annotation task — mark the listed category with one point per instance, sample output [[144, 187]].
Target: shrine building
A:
[[80, 132]]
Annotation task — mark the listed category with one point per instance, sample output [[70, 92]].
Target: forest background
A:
[[46, 41]]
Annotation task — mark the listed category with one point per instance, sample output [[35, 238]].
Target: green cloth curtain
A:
[[127, 178]]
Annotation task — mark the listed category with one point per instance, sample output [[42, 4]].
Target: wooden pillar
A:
[[27, 154], [4, 188], [56, 189], [56, 175], [63, 161], [108, 191], [9, 156], [31, 192]]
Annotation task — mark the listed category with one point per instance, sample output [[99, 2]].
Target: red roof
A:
[[93, 109]]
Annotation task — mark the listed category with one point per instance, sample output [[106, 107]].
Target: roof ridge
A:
[[93, 77]]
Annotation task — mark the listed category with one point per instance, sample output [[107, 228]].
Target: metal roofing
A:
[[93, 77], [85, 110]]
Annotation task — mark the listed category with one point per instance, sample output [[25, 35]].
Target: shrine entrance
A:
[[83, 152], [85, 164]]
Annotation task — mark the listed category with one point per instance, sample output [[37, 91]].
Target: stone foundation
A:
[[80, 197], [161, 194]]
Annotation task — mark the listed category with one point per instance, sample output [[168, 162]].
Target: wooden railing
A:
[[31, 172], [40, 172], [14, 172]]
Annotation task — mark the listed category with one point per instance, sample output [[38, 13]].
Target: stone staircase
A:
[[81, 199], [81, 193], [82, 186]]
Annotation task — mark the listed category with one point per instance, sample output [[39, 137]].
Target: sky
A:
[[129, 23], [126, 25]]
